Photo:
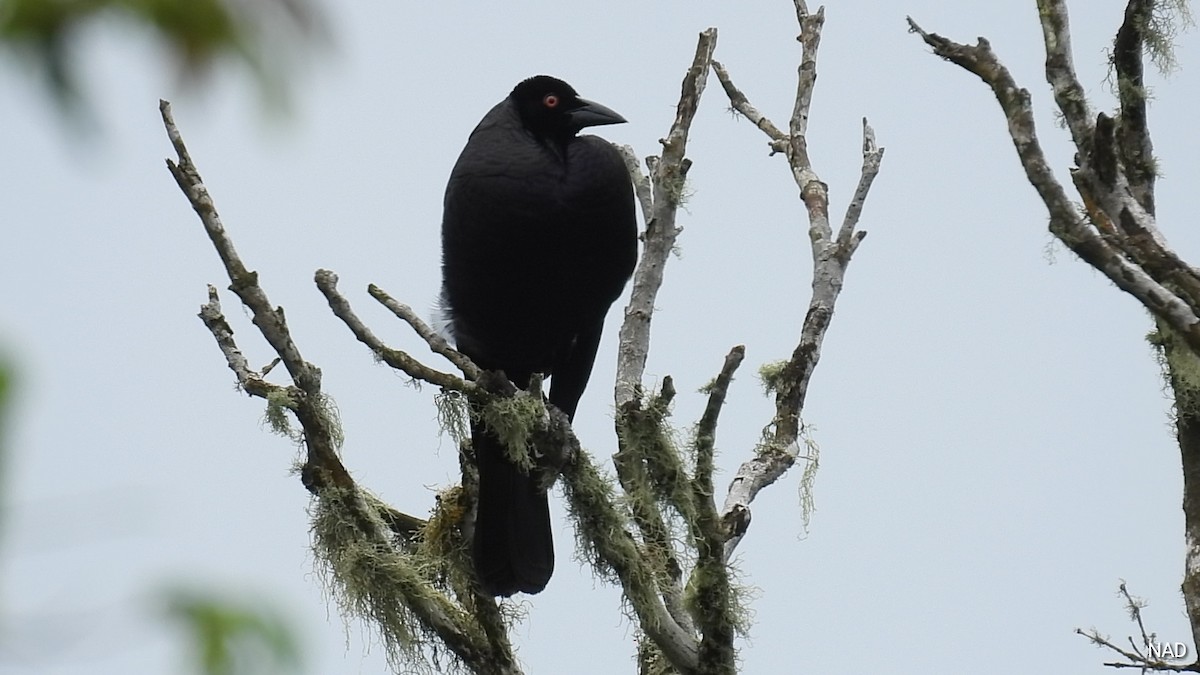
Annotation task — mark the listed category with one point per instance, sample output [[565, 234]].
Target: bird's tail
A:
[[513, 546]]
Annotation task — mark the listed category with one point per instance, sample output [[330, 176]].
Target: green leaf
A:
[[234, 638]]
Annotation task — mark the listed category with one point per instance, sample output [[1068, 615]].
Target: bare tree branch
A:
[[1134, 656], [667, 176], [1088, 243], [741, 104], [1137, 151], [713, 593], [250, 381], [327, 283], [806, 80], [641, 182], [706, 429], [872, 157], [648, 467], [831, 255], [322, 466], [436, 342], [1060, 72], [353, 533], [1114, 229]]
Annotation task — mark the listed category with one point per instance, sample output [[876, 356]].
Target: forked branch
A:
[[354, 533], [831, 252]]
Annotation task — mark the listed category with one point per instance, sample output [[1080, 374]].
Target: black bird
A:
[[539, 238]]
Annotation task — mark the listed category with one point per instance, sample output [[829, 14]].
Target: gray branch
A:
[[400, 360], [831, 255], [1069, 94], [712, 588], [641, 182], [346, 521], [651, 580], [667, 175], [436, 342], [250, 381], [1094, 239]]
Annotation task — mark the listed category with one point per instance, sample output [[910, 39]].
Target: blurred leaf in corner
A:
[[6, 379], [233, 638], [261, 36]]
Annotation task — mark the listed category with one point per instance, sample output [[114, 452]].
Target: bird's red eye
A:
[[550, 101]]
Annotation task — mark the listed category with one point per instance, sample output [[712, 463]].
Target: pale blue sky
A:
[[996, 448]]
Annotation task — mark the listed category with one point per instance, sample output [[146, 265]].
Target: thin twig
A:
[[436, 342], [250, 381], [1135, 612], [1135, 659], [327, 283], [742, 105]]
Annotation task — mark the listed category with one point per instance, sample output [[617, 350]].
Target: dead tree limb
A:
[[368, 549], [831, 252], [649, 468], [1110, 223]]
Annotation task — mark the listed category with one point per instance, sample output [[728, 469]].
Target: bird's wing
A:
[[573, 368]]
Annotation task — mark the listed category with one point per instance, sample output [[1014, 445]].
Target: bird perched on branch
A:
[[539, 238]]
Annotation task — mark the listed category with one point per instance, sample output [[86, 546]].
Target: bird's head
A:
[[550, 108]]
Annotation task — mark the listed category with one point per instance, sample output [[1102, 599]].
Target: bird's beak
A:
[[592, 114]]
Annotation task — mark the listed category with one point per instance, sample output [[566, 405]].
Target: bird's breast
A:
[[535, 242]]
